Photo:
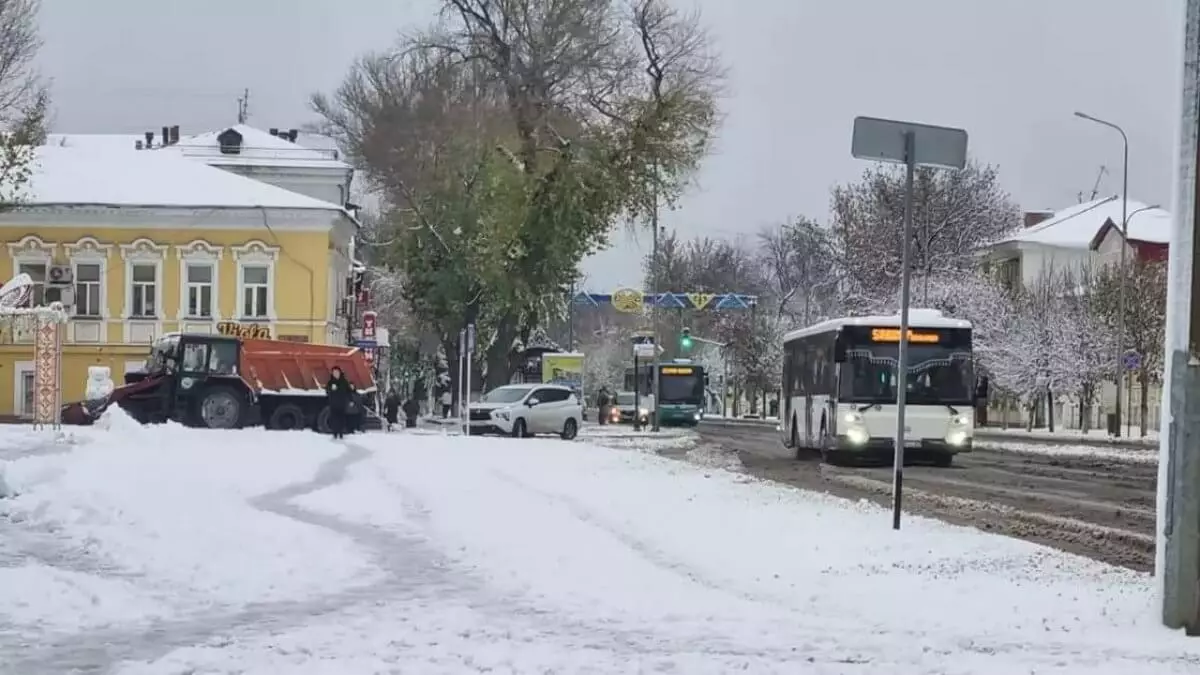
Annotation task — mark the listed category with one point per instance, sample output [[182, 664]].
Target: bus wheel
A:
[[794, 441]]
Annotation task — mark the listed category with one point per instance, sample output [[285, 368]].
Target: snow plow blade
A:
[[85, 413]]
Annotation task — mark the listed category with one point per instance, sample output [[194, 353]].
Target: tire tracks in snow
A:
[[412, 571]]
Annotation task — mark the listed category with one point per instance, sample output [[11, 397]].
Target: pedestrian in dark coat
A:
[[391, 408], [411, 410], [339, 394]]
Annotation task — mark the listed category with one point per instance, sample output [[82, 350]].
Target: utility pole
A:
[[1177, 559], [654, 290], [244, 106]]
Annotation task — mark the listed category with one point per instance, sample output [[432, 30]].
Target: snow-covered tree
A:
[[606, 357], [954, 213], [1145, 318]]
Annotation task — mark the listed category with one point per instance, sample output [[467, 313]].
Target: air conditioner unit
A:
[[59, 275]]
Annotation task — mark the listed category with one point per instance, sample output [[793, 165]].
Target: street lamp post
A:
[[1124, 245]]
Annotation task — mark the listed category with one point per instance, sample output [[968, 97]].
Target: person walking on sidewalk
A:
[[337, 393], [447, 403], [391, 408]]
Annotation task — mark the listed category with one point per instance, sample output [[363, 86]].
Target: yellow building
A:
[[138, 244]]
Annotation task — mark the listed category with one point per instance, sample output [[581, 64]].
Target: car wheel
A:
[[943, 460], [518, 430], [570, 429]]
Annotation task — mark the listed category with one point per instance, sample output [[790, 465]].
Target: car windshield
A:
[[505, 395], [626, 398], [936, 375]]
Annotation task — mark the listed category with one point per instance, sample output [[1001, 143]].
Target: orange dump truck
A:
[[222, 382]]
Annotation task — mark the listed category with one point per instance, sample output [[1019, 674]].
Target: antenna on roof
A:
[[244, 106], [1095, 186]]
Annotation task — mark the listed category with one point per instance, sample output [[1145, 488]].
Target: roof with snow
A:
[[1078, 226], [917, 318], [70, 176], [259, 148]]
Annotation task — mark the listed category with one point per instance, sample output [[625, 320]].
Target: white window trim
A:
[[31, 250], [199, 252], [256, 253], [20, 368], [143, 251], [88, 251]]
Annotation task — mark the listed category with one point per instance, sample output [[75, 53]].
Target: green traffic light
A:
[[685, 341]]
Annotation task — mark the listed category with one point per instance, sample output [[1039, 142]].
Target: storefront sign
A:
[[368, 325], [248, 331]]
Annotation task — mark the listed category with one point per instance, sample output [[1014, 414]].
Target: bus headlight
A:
[[956, 438], [643, 411], [857, 436], [960, 420], [853, 418]]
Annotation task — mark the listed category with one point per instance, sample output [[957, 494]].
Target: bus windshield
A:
[[682, 388], [937, 375]]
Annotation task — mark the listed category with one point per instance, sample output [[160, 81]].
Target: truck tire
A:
[[287, 417], [323, 421], [222, 408]]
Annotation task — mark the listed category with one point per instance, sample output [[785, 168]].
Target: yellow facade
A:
[[114, 319]]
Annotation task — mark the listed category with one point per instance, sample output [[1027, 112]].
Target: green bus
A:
[[682, 383]]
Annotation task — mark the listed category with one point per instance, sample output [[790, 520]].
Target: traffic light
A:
[[685, 339]]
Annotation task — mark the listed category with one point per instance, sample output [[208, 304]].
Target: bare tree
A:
[[800, 263], [954, 213]]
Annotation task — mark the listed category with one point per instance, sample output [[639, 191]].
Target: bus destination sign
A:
[[893, 335], [677, 370]]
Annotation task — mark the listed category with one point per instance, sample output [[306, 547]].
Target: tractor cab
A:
[[186, 366]]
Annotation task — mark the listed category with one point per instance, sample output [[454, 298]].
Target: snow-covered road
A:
[[166, 551]]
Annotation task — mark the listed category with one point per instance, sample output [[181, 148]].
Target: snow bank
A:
[[1145, 455], [170, 507], [36, 598]]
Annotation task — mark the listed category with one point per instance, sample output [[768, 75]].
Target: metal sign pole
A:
[[912, 145], [902, 355], [462, 352], [466, 406]]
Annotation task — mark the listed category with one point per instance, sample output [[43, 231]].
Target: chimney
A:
[[273, 131], [166, 136], [138, 145], [149, 139], [174, 134], [293, 134], [1034, 217]]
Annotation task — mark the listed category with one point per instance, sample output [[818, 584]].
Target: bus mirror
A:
[[706, 379]]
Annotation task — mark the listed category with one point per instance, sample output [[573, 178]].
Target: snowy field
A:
[[143, 551]]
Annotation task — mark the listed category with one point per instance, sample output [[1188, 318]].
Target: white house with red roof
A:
[[1079, 236]]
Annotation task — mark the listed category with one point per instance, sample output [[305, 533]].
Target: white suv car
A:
[[523, 410]]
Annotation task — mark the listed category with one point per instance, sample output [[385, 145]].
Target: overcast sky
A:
[[1009, 72]]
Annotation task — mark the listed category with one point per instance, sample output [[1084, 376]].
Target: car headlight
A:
[[503, 414], [853, 418], [696, 417], [960, 420], [643, 412], [956, 438]]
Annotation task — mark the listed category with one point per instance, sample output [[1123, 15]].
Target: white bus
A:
[[839, 388]]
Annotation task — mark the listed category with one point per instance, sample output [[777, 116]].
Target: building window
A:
[[143, 288], [199, 280], [256, 286], [41, 294], [87, 289]]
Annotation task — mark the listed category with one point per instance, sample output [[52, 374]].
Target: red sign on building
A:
[[368, 325]]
